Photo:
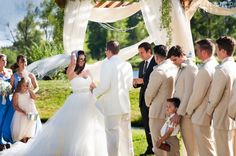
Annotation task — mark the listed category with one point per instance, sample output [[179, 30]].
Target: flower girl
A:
[[24, 120]]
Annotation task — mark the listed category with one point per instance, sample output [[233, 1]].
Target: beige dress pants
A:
[[224, 142], [119, 135], [186, 129], [205, 140], [155, 129], [174, 146]]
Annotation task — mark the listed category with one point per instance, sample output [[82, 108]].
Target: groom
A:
[[113, 92]]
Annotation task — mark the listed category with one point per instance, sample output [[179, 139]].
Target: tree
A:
[[96, 40], [205, 25], [52, 19], [27, 33]]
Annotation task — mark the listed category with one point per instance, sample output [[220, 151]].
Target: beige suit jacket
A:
[[232, 103], [201, 89], [160, 88], [184, 84], [220, 94]]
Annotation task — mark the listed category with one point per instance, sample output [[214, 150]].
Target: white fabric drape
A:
[[208, 7], [181, 31], [75, 24], [106, 15], [213, 9]]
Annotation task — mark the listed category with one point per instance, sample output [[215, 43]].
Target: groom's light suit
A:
[[115, 81]]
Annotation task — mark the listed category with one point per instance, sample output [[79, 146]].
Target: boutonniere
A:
[[183, 65]]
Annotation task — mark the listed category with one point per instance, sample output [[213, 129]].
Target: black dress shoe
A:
[[148, 152], [1, 147], [7, 146]]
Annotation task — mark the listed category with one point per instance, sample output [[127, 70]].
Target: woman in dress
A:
[[5, 75], [23, 128], [21, 64], [76, 129]]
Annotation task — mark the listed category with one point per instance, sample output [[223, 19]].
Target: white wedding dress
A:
[[76, 129]]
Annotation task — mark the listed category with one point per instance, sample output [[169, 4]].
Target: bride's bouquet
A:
[[5, 89]]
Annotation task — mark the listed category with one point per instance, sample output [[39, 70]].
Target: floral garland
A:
[[166, 19]]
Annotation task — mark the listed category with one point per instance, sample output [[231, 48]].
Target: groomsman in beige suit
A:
[[183, 89], [160, 88], [232, 103], [199, 99], [221, 91]]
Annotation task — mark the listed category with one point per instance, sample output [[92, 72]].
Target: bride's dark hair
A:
[[78, 68]]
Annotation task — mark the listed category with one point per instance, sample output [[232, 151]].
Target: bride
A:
[[76, 129]]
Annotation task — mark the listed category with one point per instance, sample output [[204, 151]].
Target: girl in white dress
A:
[[23, 128]]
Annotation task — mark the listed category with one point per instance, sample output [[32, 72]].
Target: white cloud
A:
[[12, 11]]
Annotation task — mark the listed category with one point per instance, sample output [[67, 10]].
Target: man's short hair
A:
[[160, 50], [175, 101], [176, 51], [207, 45], [146, 46], [227, 43], [113, 46]]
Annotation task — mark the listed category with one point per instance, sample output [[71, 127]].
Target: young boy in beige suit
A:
[[197, 104], [169, 131]]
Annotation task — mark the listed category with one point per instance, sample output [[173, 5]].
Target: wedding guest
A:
[[198, 101], [160, 87], [23, 128], [21, 63], [169, 131], [217, 108], [5, 75], [183, 89], [145, 69]]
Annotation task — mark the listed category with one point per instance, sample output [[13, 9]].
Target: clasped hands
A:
[[137, 81]]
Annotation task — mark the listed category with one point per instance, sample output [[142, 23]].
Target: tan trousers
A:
[[174, 146], [235, 142], [224, 142], [205, 140], [188, 137], [155, 129], [119, 135]]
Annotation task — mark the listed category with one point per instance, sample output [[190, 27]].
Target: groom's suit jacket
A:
[[116, 79]]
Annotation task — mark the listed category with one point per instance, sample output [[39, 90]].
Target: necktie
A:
[[145, 67]]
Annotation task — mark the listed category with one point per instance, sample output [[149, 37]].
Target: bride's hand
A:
[[73, 57], [92, 85]]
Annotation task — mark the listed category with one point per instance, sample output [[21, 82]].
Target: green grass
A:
[[139, 141]]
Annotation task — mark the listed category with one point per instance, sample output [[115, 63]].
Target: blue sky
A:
[[12, 11]]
